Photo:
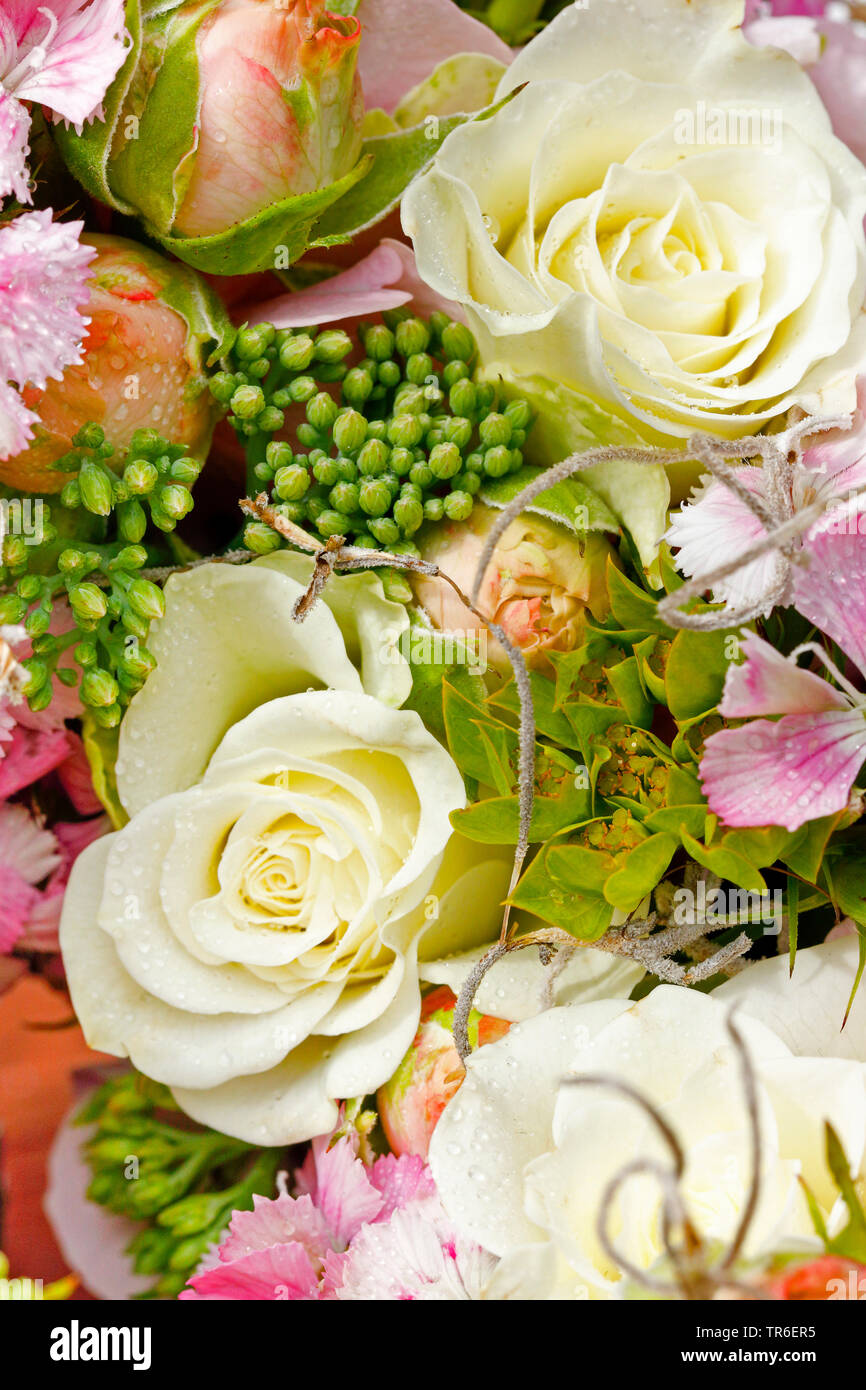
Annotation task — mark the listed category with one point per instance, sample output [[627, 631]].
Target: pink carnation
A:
[[14, 149], [352, 1232], [28, 854], [62, 53]]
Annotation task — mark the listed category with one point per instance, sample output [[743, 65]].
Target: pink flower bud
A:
[[412, 1101], [142, 366], [538, 587]]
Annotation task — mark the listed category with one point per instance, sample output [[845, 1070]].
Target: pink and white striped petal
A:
[[784, 773], [43, 286], [831, 591], [282, 1272], [769, 683], [26, 845], [714, 527], [14, 149], [68, 52], [16, 422]]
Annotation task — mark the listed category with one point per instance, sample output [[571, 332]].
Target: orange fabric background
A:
[[35, 1092]]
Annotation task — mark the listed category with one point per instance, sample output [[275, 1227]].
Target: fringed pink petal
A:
[[768, 683], [16, 422], [831, 591], [343, 1192], [401, 1181], [68, 53], [29, 756], [282, 1272], [276, 1221], [715, 527], [14, 149], [43, 284], [17, 898], [26, 845], [788, 773]]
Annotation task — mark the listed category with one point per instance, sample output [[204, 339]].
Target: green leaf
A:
[[633, 607], [496, 821], [644, 868], [849, 887], [563, 885], [428, 677], [850, 1242], [695, 676], [625, 679], [463, 720], [762, 845], [677, 820], [804, 856], [550, 722], [571, 503], [793, 905], [100, 746], [278, 234], [726, 863]]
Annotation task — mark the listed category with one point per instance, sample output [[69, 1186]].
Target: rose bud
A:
[[539, 587], [225, 112], [144, 354], [428, 1076]]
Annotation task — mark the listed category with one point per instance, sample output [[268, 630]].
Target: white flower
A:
[[662, 221], [522, 1161], [252, 937]]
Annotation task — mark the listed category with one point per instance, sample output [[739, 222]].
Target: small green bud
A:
[[146, 599], [250, 344], [462, 398], [88, 603], [131, 521], [347, 470], [296, 353], [140, 476], [421, 474], [419, 367], [331, 523], [458, 506], [385, 529], [326, 471], [458, 342], [458, 430], [453, 372], [497, 461], [519, 414], [222, 385], [41, 699], [303, 388], [175, 501], [37, 622], [96, 488], [375, 429], [66, 676], [15, 552], [333, 345], [349, 431], [131, 557], [379, 342], [408, 514], [405, 431], [90, 436], [357, 386], [495, 429], [107, 716], [373, 458], [374, 497], [291, 483], [434, 509], [401, 461], [466, 482], [389, 374], [185, 470], [445, 461], [30, 587], [247, 402], [270, 420], [343, 497], [260, 538], [322, 411], [85, 654], [70, 494], [12, 609], [37, 676], [412, 336], [474, 463], [278, 454]]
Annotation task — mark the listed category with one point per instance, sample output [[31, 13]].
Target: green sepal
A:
[[727, 863], [644, 868], [695, 675], [100, 746], [564, 885], [572, 503]]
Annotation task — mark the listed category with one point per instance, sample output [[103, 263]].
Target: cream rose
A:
[[251, 937], [522, 1161], [661, 222]]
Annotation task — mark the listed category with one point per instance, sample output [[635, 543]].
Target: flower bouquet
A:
[[433, 646]]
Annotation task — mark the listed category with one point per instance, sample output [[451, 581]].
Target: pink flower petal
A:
[[16, 422], [16, 899], [276, 1221], [26, 845], [76, 779], [282, 1272], [788, 773], [385, 279], [840, 76], [831, 592], [68, 53], [402, 42], [43, 283], [338, 1184], [401, 1181], [14, 131], [30, 756], [768, 683], [714, 527]]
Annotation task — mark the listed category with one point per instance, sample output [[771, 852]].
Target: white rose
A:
[[253, 936], [522, 1161], [662, 221]]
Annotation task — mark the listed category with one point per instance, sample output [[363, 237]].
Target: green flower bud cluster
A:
[[617, 836], [152, 482], [184, 1184], [111, 603], [633, 769], [412, 437]]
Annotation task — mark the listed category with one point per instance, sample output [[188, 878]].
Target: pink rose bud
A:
[[540, 585], [431, 1072], [143, 363]]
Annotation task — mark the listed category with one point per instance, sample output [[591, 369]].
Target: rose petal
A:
[[402, 41]]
